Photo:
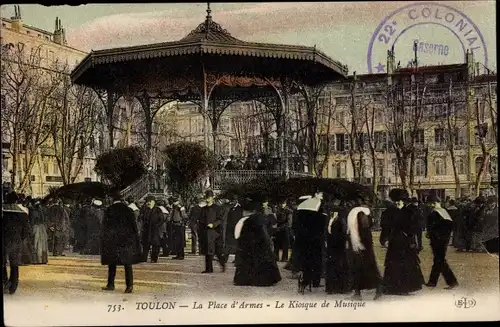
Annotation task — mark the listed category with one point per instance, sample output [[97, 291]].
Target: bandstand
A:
[[210, 68]]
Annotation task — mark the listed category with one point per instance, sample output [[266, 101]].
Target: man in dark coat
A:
[[77, 222], [93, 221], [419, 218], [439, 227], [59, 227], [210, 233], [120, 243], [282, 236], [234, 214], [269, 219], [194, 213], [475, 221], [15, 223], [151, 219], [455, 215], [178, 218], [163, 228]]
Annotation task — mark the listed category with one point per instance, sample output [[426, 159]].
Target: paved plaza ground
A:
[[74, 276], [67, 291]]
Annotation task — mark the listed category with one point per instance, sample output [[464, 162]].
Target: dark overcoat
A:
[[234, 214], [402, 265], [365, 271], [16, 229], [338, 275], [120, 243], [256, 265], [152, 221], [208, 236]]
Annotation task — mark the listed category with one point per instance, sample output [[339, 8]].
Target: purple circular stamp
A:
[[443, 35]]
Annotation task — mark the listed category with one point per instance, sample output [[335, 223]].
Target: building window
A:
[[460, 136], [380, 140], [341, 142], [394, 166], [439, 137], [493, 165], [45, 167], [55, 168], [235, 147], [439, 167], [419, 137], [339, 169], [380, 167], [479, 164], [461, 166], [419, 167], [340, 117]]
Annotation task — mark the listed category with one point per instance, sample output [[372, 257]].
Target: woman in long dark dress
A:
[[337, 266], [120, 243], [256, 264], [40, 238], [15, 224], [310, 238], [402, 266], [366, 275]]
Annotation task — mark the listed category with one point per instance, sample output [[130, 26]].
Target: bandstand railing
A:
[[224, 177]]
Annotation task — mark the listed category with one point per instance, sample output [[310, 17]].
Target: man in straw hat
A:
[[439, 228]]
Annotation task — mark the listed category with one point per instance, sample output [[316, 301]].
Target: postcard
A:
[[249, 163]]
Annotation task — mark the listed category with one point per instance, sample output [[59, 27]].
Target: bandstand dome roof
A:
[[219, 51]]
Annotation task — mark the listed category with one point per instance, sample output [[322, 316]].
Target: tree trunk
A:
[[355, 171], [455, 173], [375, 181], [26, 181], [482, 170]]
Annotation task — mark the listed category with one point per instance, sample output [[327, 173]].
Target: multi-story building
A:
[[50, 47], [445, 111]]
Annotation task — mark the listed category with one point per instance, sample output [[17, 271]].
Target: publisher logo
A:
[[465, 303]]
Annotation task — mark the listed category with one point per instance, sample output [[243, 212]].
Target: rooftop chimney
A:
[[16, 23], [59, 33]]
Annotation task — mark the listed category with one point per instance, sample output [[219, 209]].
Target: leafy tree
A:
[[186, 165]]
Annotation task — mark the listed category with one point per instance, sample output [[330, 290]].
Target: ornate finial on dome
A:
[[209, 17]]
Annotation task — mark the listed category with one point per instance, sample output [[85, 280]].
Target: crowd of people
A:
[[331, 241]]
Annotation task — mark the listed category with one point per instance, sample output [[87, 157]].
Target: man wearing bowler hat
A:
[[210, 233]]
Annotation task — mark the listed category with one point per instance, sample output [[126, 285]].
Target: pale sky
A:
[[445, 29]]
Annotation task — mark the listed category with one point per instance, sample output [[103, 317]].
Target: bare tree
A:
[[243, 126], [375, 144], [27, 86], [323, 139], [76, 116], [485, 116], [358, 105], [404, 125], [455, 121]]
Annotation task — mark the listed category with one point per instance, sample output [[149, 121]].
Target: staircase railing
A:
[[138, 189]]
